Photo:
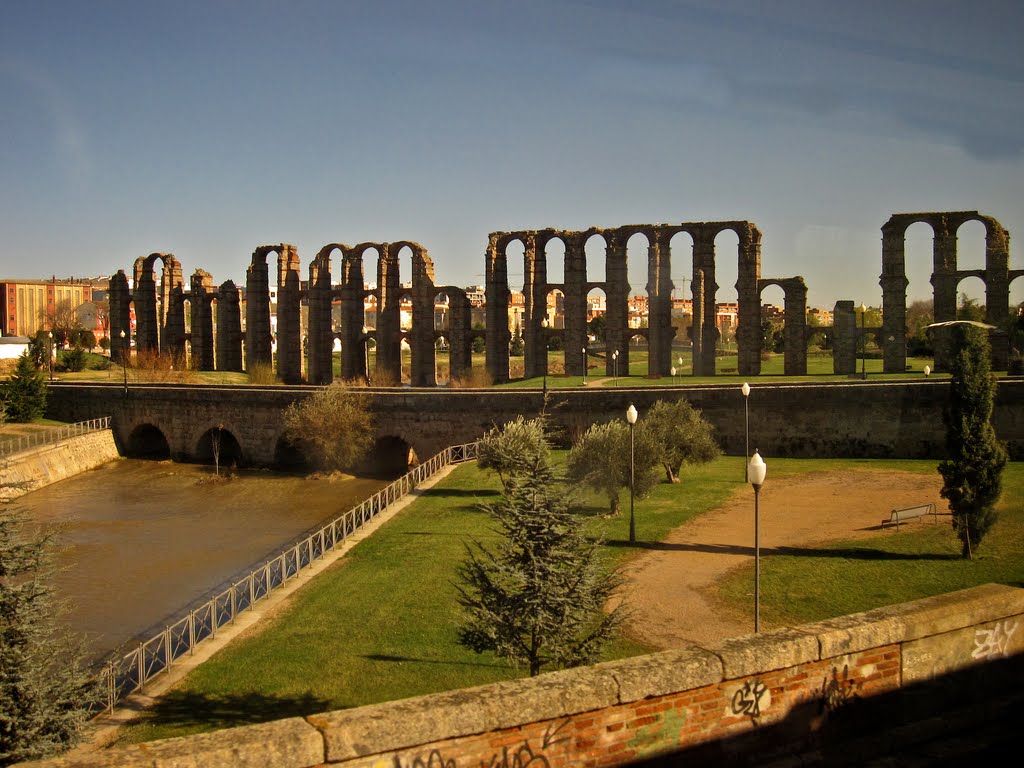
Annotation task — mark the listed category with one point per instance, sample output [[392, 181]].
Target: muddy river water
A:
[[142, 540]]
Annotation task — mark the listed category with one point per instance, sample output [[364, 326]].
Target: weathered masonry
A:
[[219, 334], [849, 690]]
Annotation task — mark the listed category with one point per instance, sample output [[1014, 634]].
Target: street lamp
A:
[[672, 371], [366, 354], [927, 371], [756, 471], [615, 367], [745, 389], [124, 360], [863, 345], [584, 366], [49, 354], [631, 418]]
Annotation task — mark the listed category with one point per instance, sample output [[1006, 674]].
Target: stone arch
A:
[[147, 441], [945, 278], [391, 456], [201, 296], [795, 319], [229, 339], [230, 449], [320, 321], [159, 322], [259, 335], [460, 332]]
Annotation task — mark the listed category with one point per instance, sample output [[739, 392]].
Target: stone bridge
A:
[[856, 419]]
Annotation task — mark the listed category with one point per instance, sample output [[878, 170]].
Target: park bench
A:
[[898, 516]]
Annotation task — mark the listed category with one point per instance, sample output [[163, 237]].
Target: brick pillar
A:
[[147, 331], [229, 328], [894, 297], [617, 302], [659, 303], [795, 332], [201, 294], [257, 310], [320, 331], [389, 317], [497, 296], [575, 310], [997, 288], [748, 331], [289, 315], [120, 316], [535, 354], [844, 338]]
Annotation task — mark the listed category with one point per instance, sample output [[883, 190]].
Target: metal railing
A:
[[10, 447], [129, 672]]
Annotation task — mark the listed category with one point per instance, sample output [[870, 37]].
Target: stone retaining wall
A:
[[778, 693], [51, 463]]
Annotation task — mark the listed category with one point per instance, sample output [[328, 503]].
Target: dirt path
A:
[[667, 588]]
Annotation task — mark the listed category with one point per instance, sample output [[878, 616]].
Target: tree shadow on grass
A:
[[460, 492], [845, 553], [415, 660], [187, 708]]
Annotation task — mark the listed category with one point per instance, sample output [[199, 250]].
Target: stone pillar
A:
[[704, 260], [289, 315], [460, 340], [201, 294], [229, 328], [535, 352], [120, 316], [497, 296], [944, 283], [575, 310], [353, 297], [172, 308], [997, 288], [894, 297], [389, 317], [697, 321], [421, 339], [617, 299], [844, 338], [795, 332], [320, 331], [748, 330], [147, 331], [659, 303], [257, 310]]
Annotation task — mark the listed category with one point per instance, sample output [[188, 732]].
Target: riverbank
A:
[[47, 464]]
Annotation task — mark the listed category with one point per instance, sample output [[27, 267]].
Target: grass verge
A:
[[380, 625]]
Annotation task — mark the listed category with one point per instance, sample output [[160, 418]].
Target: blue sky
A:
[[206, 129]]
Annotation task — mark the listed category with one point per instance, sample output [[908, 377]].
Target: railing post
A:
[[191, 632], [168, 651], [111, 687], [142, 667], [252, 590]]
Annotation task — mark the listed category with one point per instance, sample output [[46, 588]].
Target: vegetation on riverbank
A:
[[380, 625]]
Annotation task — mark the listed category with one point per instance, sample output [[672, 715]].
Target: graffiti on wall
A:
[[993, 643], [838, 691], [525, 755], [751, 699]]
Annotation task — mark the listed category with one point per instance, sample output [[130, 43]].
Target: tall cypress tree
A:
[[537, 599], [973, 468]]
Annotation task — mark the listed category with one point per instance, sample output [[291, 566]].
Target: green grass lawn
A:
[[380, 625]]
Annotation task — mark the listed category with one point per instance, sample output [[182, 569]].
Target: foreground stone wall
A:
[[48, 464], [791, 691], [849, 420]]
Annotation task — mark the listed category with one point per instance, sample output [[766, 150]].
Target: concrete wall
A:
[[805, 690], [47, 464], [855, 419]]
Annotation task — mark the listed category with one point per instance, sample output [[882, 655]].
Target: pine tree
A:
[[972, 471], [538, 598], [44, 694], [24, 394]]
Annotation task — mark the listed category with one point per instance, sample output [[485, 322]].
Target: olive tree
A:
[[333, 426], [679, 435], [512, 449], [600, 459]]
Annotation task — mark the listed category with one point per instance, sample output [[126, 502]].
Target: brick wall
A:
[[756, 698]]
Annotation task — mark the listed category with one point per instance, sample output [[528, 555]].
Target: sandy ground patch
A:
[[667, 587]]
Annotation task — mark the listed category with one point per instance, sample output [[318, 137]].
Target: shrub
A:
[[332, 427]]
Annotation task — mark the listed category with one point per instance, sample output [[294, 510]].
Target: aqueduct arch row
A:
[[161, 319]]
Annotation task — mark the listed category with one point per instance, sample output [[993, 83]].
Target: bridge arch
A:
[[147, 441], [219, 441]]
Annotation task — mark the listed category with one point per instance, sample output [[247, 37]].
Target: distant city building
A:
[[28, 305]]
